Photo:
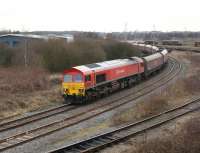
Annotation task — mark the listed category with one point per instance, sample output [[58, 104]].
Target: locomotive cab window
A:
[[78, 78], [67, 78], [100, 78], [87, 78]]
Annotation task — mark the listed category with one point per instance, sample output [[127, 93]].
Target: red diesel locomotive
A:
[[87, 82]]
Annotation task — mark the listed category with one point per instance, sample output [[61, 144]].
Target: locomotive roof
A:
[[105, 65]]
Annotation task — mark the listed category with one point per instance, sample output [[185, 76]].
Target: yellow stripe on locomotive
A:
[[73, 88]]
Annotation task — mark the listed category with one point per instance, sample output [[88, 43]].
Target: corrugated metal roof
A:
[[25, 36], [39, 36], [65, 36]]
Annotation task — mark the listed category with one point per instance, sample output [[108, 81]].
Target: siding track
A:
[[99, 142], [35, 117], [44, 130]]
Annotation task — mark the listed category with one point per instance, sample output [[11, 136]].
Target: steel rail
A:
[[35, 117], [7, 118], [4, 126], [101, 141], [58, 125]]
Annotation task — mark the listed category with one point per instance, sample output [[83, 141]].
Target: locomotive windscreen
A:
[[67, 78]]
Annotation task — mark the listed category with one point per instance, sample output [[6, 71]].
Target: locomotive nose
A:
[[81, 90], [73, 88]]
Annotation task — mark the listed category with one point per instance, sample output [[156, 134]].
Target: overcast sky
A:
[[100, 15]]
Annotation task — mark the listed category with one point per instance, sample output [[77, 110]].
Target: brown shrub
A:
[[192, 84], [185, 141], [183, 87], [193, 57], [20, 103], [142, 110], [58, 55], [15, 80], [175, 90]]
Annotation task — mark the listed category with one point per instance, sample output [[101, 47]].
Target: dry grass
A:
[[187, 140], [187, 85], [141, 110], [192, 84], [166, 99], [183, 87], [21, 80], [82, 133], [23, 90], [190, 60], [194, 59], [155, 104], [16, 104]]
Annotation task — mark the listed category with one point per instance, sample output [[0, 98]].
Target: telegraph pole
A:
[[125, 31], [25, 53]]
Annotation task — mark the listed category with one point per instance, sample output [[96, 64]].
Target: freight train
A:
[[172, 42], [146, 49], [197, 44], [151, 42], [85, 83]]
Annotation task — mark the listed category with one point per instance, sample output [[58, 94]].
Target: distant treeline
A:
[[133, 35], [155, 35], [56, 55]]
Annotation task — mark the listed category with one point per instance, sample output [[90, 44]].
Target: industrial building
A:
[[68, 38], [14, 40]]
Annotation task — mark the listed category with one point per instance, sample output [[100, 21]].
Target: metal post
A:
[[25, 53]]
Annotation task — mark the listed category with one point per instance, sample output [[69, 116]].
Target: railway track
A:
[[7, 123], [11, 124], [30, 135], [180, 48], [2, 120], [123, 133], [35, 117]]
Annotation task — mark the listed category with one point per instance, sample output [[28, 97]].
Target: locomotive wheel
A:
[[139, 79], [130, 83], [87, 98], [107, 93]]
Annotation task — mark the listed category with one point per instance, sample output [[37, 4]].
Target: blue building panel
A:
[[11, 40], [14, 40]]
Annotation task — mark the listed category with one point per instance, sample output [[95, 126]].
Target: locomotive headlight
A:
[[66, 91], [81, 90]]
